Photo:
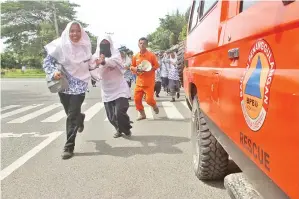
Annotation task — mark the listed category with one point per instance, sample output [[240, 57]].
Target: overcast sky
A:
[[128, 19]]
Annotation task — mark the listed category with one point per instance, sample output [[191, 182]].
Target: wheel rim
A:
[[195, 141]]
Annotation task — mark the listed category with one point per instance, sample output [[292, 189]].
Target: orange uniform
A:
[[145, 82]]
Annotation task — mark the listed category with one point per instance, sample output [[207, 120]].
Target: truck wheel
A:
[[180, 60], [210, 160]]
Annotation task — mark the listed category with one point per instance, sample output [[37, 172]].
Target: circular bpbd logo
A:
[[255, 84]]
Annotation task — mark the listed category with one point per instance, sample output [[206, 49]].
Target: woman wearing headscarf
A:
[[158, 79], [109, 70], [72, 50], [164, 72], [127, 63], [173, 76]]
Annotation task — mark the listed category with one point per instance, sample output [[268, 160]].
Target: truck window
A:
[[245, 4], [206, 6], [200, 8], [194, 15]]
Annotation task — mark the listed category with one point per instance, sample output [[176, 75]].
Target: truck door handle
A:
[[233, 53], [186, 63]]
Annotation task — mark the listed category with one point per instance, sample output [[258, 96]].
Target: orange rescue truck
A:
[[240, 73]]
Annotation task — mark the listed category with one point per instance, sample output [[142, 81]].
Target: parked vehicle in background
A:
[[240, 72]]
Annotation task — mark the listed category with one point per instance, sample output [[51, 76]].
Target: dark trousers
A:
[[165, 82], [158, 87], [174, 87], [129, 83], [93, 82], [72, 107], [116, 111]]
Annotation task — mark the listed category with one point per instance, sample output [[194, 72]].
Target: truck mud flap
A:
[[239, 187]]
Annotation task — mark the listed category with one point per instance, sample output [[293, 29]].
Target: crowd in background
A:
[[166, 77]]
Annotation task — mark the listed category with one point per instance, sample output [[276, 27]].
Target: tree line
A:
[[27, 26], [171, 31]]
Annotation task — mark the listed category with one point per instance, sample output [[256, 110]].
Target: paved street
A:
[[156, 162]]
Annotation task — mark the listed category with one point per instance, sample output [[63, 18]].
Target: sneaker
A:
[[156, 109], [141, 116], [178, 95], [129, 133], [67, 153], [157, 95], [172, 100], [117, 134], [81, 128]]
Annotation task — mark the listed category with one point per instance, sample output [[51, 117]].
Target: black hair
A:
[[143, 39]]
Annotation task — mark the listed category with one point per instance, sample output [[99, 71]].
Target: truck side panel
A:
[[203, 66], [269, 137]]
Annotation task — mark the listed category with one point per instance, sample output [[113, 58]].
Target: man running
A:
[[145, 82]]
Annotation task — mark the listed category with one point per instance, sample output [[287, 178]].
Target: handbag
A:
[[56, 86]]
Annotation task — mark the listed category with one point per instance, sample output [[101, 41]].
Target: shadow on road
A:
[[150, 145], [166, 119]]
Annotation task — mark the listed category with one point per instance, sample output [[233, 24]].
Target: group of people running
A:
[[114, 70], [166, 76]]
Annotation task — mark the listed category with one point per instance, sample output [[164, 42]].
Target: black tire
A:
[[210, 160], [180, 62]]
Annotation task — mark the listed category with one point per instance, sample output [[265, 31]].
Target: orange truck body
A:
[[244, 67]]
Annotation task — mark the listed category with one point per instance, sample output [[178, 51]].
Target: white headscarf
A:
[[115, 54], [173, 59], [126, 61], [73, 56], [114, 60], [110, 75]]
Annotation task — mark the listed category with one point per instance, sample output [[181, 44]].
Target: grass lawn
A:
[[17, 73]]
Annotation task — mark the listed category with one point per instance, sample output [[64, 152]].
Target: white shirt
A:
[[112, 81]]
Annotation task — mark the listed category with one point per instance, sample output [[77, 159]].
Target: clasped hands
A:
[[101, 60]]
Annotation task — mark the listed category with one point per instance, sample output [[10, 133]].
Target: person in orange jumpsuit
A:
[[145, 82]]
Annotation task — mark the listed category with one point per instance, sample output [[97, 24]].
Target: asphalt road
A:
[[156, 162]]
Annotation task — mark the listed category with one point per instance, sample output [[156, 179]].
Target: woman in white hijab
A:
[[72, 50], [109, 70], [164, 72], [173, 76], [127, 63]]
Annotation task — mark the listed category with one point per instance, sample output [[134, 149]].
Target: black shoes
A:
[[129, 133], [67, 153], [119, 134]]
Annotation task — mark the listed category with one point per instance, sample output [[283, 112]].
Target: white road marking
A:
[[57, 116], [20, 110], [10, 135], [148, 112], [35, 114], [22, 160], [185, 104], [9, 107], [92, 111], [171, 111], [18, 135]]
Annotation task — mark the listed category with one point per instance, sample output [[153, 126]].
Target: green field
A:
[[17, 73]]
